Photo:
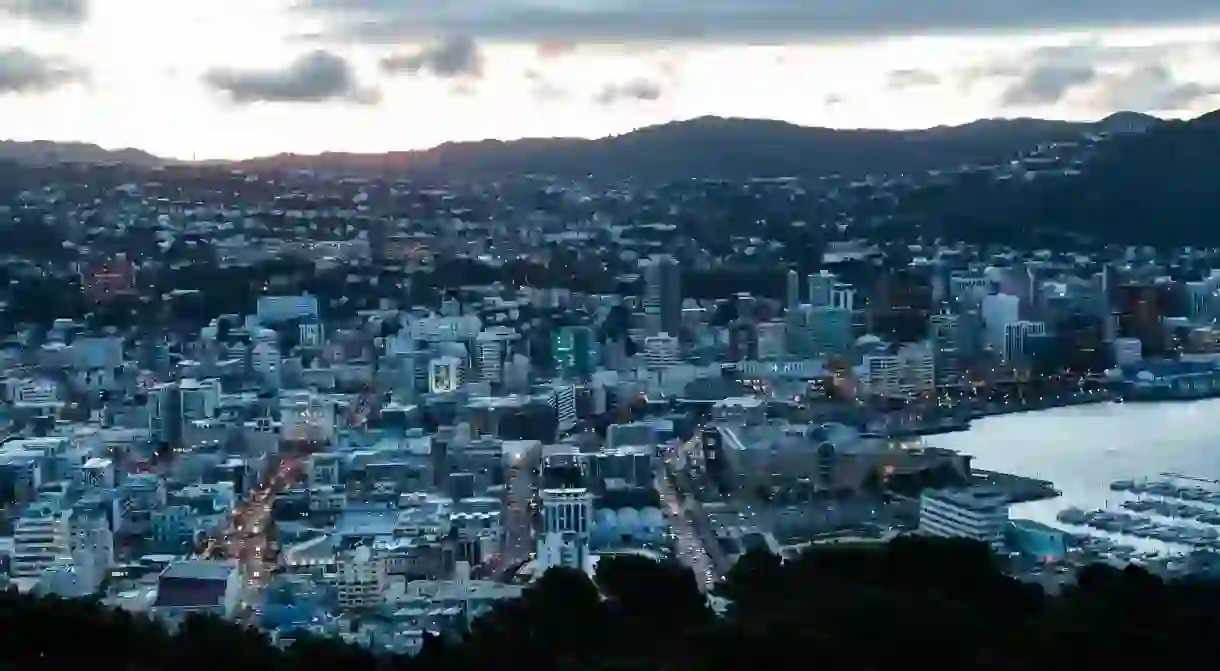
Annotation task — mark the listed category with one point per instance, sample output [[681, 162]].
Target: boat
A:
[[1139, 505], [1073, 516], [1122, 485]]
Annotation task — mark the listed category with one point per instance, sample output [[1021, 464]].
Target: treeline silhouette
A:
[[914, 603]]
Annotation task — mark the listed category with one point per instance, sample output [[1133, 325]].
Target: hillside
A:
[[43, 152], [717, 148], [1157, 188], [704, 147]]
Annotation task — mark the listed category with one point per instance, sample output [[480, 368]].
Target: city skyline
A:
[[229, 79]]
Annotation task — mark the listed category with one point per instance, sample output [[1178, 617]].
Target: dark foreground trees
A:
[[915, 604]]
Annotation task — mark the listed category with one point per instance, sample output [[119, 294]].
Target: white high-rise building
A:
[[563, 399], [976, 513], [566, 517], [492, 348]]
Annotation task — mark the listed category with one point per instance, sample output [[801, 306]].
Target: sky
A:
[[239, 78]]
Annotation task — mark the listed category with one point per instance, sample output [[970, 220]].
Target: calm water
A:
[[1083, 449]]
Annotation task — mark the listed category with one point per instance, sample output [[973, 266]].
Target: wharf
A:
[[1019, 489]]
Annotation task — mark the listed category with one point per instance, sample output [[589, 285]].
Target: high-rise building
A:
[[819, 331], [566, 517], [663, 290], [998, 311], [1016, 340], [562, 397], [575, 350], [493, 347], [819, 287], [794, 289], [772, 340]]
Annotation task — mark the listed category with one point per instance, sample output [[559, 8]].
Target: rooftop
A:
[[971, 498]]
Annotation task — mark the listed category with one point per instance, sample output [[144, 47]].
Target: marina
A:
[[1181, 512]]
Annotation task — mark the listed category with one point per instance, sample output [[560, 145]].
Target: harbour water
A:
[[1082, 449]]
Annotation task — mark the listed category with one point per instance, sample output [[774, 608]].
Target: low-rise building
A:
[[976, 513]]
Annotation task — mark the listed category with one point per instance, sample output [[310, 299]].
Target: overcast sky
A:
[[231, 78]]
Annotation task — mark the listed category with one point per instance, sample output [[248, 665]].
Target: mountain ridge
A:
[[706, 146]]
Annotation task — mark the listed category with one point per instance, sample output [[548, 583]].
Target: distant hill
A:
[[44, 152], [715, 147], [712, 147], [1156, 187]]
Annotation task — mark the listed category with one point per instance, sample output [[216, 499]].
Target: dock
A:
[[1019, 489]]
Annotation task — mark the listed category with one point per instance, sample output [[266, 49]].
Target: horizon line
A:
[[576, 138]]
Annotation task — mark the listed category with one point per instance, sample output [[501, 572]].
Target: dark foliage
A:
[[914, 603], [1157, 188]]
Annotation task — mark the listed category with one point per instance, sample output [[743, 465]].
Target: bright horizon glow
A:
[[147, 60]]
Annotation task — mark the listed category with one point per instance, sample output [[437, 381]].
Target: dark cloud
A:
[[450, 59], [906, 79], [47, 11], [1153, 88], [23, 71], [757, 21], [636, 89], [1131, 77], [319, 76], [1047, 84]]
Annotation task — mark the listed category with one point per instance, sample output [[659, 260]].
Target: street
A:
[[247, 539], [690, 549], [518, 527]]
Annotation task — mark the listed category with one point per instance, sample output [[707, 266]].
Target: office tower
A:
[[566, 515], [820, 286], [492, 347], [575, 350], [1016, 339], [663, 290], [998, 311], [794, 289]]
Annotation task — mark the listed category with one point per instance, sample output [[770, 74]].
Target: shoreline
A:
[[956, 424]]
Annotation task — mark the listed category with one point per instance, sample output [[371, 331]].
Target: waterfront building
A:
[[976, 513]]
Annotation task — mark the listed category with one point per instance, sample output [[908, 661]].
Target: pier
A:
[[1019, 489]]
